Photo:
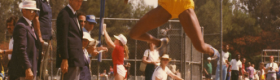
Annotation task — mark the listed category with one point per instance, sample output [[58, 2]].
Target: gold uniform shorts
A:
[[176, 7]]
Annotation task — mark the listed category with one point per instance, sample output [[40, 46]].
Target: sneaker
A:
[[163, 46]]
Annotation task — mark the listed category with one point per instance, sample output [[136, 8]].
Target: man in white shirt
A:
[[271, 69], [224, 63], [236, 66], [162, 71]]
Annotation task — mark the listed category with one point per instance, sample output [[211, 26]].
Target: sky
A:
[[152, 2]]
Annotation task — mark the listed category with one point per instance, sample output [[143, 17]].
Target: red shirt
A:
[[118, 55], [243, 68]]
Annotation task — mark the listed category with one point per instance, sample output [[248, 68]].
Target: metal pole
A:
[[221, 54], [102, 11], [135, 69]]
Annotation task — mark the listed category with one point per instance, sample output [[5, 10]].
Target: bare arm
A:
[[10, 51], [205, 71], [174, 76], [36, 24], [108, 40]]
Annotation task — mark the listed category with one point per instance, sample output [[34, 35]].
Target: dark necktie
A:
[[33, 32]]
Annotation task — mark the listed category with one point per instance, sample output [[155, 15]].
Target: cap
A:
[[91, 18]]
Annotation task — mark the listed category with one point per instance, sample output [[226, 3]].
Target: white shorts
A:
[[121, 70]]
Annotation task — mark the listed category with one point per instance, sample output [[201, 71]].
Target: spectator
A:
[[103, 75], [243, 71], [262, 71], [229, 67], [271, 69], [127, 67], [89, 24], [111, 73], [172, 67], [224, 64], [162, 71], [151, 58], [278, 72], [82, 19], [69, 42], [250, 71], [27, 47], [208, 69], [236, 66], [256, 76], [10, 24]]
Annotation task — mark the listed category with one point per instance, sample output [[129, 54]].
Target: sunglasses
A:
[[82, 21], [31, 11]]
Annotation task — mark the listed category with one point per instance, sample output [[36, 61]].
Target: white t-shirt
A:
[[235, 65], [224, 58], [153, 55], [11, 44], [273, 65], [160, 73]]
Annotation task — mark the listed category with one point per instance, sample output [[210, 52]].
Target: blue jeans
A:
[[224, 69]]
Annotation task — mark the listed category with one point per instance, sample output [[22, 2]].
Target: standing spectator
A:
[[151, 58], [224, 64], [89, 47], [26, 49], [10, 24], [82, 19], [271, 69], [104, 75], [111, 73], [127, 67], [70, 55], [86, 70], [262, 71], [250, 71], [229, 67], [243, 69], [43, 27], [162, 71], [236, 66], [278, 72], [172, 67], [208, 69], [256, 76], [90, 23]]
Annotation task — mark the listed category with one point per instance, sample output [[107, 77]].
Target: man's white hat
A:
[[87, 36], [28, 4], [165, 56], [209, 58], [122, 38]]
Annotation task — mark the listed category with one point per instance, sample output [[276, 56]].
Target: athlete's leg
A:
[[192, 28], [118, 77], [149, 21]]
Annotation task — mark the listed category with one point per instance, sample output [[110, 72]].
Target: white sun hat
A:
[[87, 36], [122, 38], [165, 56], [209, 58], [28, 4]]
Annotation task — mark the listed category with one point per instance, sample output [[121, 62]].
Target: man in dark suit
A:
[[70, 55], [26, 49]]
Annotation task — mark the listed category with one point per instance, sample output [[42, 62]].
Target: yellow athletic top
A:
[[176, 7]]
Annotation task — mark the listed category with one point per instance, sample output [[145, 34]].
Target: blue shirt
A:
[[45, 18]]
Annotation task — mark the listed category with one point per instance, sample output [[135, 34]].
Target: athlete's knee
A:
[[132, 35]]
